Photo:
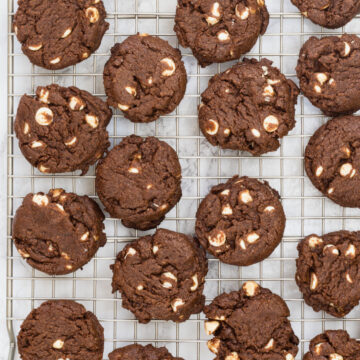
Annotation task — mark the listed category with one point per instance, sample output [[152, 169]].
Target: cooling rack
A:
[[202, 165]]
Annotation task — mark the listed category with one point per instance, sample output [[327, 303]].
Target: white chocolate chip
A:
[[245, 196], [255, 132], [334, 250], [133, 170], [348, 278], [211, 326], [43, 168], [313, 281], [242, 14], [92, 120], [347, 49], [58, 344], [215, 10], [36, 144], [140, 287], [250, 288], [319, 171], [148, 187], [346, 169], [350, 251], [155, 249], [289, 356], [144, 34], [65, 256], [214, 127], [242, 244], [44, 95], [272, 82], [131, 252], [270, 344], [213, 345], [195, 282], [66, 33], [84, 236], [211, 20], [217, 240], [226, 210], [69, 267], [92, 14], [85, 55], [175, 304], [130, 90], [35, 47], [269, 209], [26, 128], [170, 276], [271, 123], [225, 192], [252, 237], [223, 35], [321, 78], [55, 60], [41, 200], [44, 116], [331, 81], [233, 356], [315, 241], [265, 70], [76, 103], [227, 132], [335, 356], [123, 107], [72, 141], [330, 190], [317, 348], [150, 80], [317, 89], [171, 67], [268, 91], [23, 254]]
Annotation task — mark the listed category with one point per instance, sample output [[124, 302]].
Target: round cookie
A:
[[248, 107], [139, 181], [220, 30], [55, 34], [327, 271], [138, 352], [161, 277], [62, 129], [61, 329], [333, 345], [59, 232], [329, 73], [331, 14], [240, 222], [145, 78], [251, 323], [332, 160]]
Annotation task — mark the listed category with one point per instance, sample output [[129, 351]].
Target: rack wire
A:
[[203, 166]]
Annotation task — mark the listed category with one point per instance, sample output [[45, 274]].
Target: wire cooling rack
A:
[[202, 165]]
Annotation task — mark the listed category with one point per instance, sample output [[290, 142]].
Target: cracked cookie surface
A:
[[331, 14], [328, 272], [222, 30], [55, 34], [62, 129], [61, 329], [251, 323], [329, 73], [248, 107], [332, 160], [240, 222], [139, 352], [144, 78], [161, 277], [59, 232], [139, 181]]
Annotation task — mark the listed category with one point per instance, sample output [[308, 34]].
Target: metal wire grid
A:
[[202, 165]]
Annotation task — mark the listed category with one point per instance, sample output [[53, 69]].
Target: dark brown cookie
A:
[[331, 14], [61, 329], [139, 181], [333, 345], [222, 30], [251, 323], [332, 160], [248, 107], [59, 232], [161, 277], [145, 78], [329, 73], [328, 271], [138, 352], [241, 222], [55, 34], [62, 129]]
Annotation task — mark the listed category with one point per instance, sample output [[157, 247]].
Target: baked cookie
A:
[[55, 34], [333, 345], [61, 329], [240, 222], [248, 107], [222, 30], [62, 129], [329, 73], [332, 160], [328, 273], [138, 352], [139, 181], [59, 232], [145, 78], [331, 14], [251, 323], [161, 277]]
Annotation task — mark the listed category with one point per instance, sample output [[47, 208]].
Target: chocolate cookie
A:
[[240, 222], [62, 129], [138, 352], [251, 323], [329, 73], [61, 329], [59, 232], [328, 272], [331, 14], [55, 34], [145, 78], [222, 30], [332, 160], [248, 107], [161, 277], [139, 181]]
